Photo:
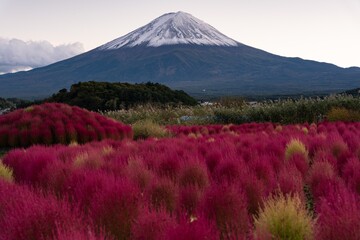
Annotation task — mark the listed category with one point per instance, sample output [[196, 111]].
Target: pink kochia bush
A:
[[339, 215], [25, 214], [209, 182], [52, 123]]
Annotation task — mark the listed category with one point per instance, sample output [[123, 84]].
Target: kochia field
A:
[[251, 181]]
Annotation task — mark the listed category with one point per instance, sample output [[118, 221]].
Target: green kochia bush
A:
[[284, 217], [6, 173], [147, 128]]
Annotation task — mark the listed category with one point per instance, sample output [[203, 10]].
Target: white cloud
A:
[[18, 55]]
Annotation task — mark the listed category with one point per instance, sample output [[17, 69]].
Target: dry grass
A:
[[147, 128]]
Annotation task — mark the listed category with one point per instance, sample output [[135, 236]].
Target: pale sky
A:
[[321, 30]]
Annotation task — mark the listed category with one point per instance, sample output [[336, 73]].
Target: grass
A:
[[286, 111], [147, 128]]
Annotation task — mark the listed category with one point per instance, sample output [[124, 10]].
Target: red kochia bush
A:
[[27, 215], [151, 225], [52, 123], [351, 174], [192, 230], [27, 167], [115, 208], [339, 216], [226, 205]]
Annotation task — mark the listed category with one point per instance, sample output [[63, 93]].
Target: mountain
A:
[[184, 53], [172, 29]]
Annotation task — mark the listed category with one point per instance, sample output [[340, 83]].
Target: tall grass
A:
[[286, 111]]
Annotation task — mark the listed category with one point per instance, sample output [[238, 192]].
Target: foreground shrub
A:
[[194, 174], [283, 217], [115, 208], [79, 235], [339, 216], [25, 214], [226, 205], [163, 195], [291, 182], [321, 179], [27, 167], [351, 174], [52, 123], [151, 225], [6, 173], [192, 230]]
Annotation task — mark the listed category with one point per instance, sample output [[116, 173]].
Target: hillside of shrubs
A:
[[102, 96]]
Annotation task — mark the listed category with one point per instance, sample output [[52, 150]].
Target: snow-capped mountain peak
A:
[[171, 29]]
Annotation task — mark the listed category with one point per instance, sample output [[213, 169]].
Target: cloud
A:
[[18, 55]]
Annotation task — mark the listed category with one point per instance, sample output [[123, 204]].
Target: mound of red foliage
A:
[[52, 123]]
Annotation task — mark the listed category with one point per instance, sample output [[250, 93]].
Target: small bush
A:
[[194, 174], [147, 128], [151, 225], [189, 198], [283, 217], [6, 173], [163, 195], [295, 146], [26, 214], [227, 206], [290, 181], [321, 178], [193, 230], [115, 208]]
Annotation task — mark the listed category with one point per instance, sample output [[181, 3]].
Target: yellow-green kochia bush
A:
[[147, 128], [284, 217], [295, 146], [6, 173]]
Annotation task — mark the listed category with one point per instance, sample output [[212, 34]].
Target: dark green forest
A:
[[103, 96]]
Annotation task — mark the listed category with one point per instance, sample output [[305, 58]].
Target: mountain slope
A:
[[203, 69]]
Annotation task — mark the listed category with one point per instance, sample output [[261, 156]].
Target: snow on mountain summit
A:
[[171, 29]]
